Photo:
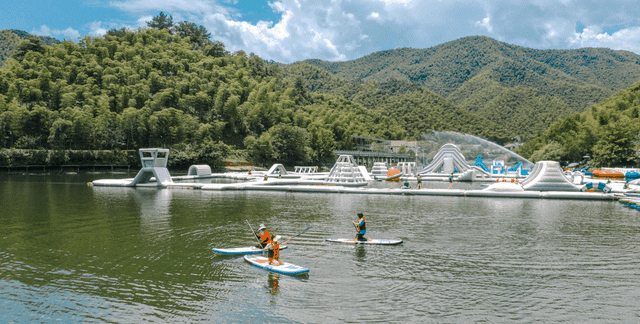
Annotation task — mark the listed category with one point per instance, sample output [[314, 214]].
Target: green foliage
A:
[[32, 44], [550, 152], [208, 152], [416, 109], [609, 132], [149, 88], [10, 39], [198, 34], [521, 89], [23, 157], [161, 21], [447, 67]]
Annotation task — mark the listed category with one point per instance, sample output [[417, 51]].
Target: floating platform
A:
[[346, 177], [631, 201], [413, 192]]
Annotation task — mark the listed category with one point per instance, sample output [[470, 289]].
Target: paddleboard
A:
[[242, 250], [286, 268], [368, 241]]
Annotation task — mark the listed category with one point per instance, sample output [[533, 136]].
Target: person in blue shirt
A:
[[361, 227]]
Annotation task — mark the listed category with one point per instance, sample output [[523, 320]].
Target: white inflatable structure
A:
[[277, 169], [447, 160], [199, 170], [154, 165], [408, 168], [548, 176], [346, 172], [380, 169]]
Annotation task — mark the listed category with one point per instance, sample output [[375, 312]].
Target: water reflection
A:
[[360, 252], [145, 255], [152, 204], [273, 283]]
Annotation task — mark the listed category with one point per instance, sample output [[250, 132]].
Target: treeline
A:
[[10, 39], [609, 133], [168, 85]]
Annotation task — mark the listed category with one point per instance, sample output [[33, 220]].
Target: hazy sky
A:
[[294, 30]]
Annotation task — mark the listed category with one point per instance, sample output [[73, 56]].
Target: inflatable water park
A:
[[544, 179]]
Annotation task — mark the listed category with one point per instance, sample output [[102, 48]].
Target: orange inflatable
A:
[[608, 174], [393, 174]]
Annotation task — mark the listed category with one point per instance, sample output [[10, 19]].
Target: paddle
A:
[[253, 232], [306, 229]]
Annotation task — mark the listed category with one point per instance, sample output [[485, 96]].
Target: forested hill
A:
[[11, 38], [447, 67], [608, 132], [418, 110], [523, 89], [170, 86]]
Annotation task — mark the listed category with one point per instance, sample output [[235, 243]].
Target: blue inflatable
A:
[[632, 175], [596, 186]]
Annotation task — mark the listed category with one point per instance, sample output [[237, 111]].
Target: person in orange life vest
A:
[[361, 227], [263, 235], [274, 250]]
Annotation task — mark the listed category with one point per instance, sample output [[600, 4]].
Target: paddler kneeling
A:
[[263, 236], [274, 250], [361, 227]]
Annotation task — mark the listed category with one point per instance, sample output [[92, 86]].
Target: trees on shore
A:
[[156, 87]]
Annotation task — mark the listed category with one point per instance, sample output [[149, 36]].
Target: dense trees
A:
[[171, 86], [521, 89], [10, 39], [416, 109], [149, 88], [609, 133]]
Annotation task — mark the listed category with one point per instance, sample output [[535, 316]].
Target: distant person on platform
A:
[[274, 250], [451, 181], [263, 236], [419, 186], [361, 227], [406, 185]]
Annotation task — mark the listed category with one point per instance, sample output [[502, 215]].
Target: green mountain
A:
[[11, 38], [608, 132], [487, 77], [417, 109]]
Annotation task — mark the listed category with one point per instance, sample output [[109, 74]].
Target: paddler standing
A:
[[361, 227], [274, 250], [263, 236]]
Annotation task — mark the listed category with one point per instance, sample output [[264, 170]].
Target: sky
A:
[[340, 30]]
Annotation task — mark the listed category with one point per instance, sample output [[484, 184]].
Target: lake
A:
[[76, 253]]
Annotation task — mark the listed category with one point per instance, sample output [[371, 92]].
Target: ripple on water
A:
[[145, 255]]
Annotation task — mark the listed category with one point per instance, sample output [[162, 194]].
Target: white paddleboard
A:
[[285, 268], [368, 241], [242, 250]]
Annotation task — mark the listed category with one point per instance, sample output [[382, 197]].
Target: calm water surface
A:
[[74, 253]]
